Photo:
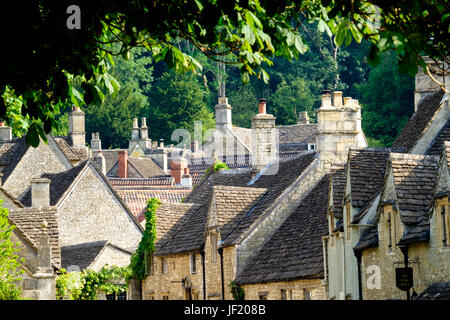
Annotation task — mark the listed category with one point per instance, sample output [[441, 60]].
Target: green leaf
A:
[[199, 4], [248, 34]]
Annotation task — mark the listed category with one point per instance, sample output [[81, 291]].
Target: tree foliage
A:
[[45, 59], [9, 259]]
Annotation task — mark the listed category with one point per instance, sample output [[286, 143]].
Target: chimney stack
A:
[[186, 179], [177, 169], [96, 143], [5, 132], [194, 146], [40, 192], [161, 143], [303, 118], [424, 85], [76, 127], [122, 164], [100, 161], [223, 114], [144, 129], [135, 130], [263, 138], [339, 127]]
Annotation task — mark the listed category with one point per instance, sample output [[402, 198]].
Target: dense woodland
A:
[[171, 100]]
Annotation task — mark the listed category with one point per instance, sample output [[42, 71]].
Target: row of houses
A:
[[305, 211]]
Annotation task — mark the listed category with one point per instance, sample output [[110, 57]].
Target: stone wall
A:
[[299, 288], [92, 213], [46, 158], [111, 256]]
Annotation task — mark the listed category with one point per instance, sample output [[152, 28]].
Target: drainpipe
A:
[[202, 253], [404, 250], [358, 259], [221, 271], [325, 265]]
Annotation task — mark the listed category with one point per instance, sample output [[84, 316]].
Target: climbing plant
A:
[[9, 260], [237, 291], [140, 259], [218, 165], [87, 284]]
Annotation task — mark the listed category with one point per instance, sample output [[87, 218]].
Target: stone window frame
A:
[[213, 243], [263, 295], [393, 229], [443, 223], [312, 146], [286, 294], [307, 294], [164, 265], [192, 263], [347, 220]]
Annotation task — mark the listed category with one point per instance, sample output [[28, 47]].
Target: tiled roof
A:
[[194, 226], [133, 183], [30, 220], [414, 179], [231, 204], [82, 153], [298, 133], [419, 122], [136, 199], [138, 168], [337, 181], [11, 153], [367, 169], [295, 250], [67, 150], [437, 291], [81, 255], [171, 218], [438, 144], [59, 184], [368, 239], [111, 156]]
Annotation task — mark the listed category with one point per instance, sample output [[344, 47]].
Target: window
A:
[[213, 238], [311, 146], [165, 297], [286, 294], [148, 264], [119, 296], [192, 263], [389, 230], [263, 295], [163, 265], [306, 294], [444, 226]]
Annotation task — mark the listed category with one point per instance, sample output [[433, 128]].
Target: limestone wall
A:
[[299, 288]]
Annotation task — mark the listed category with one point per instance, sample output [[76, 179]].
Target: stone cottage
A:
[[381, 206], [231, 227]]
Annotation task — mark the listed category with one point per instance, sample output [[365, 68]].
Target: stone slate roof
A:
[[81, 255], [368, 239], [133, 183], [82, 153], [67, 150], [414, 179], [170, 219], [419, 122], [337, 184], [191, 232], [367, 170], [298, 134], [136, 199], [230, 205], [295, 250], [59, 184], [138, 168], [29, 220], [11, 153], [438, 144], [111, 156], [437, 291]]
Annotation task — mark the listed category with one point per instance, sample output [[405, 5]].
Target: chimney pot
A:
[[337, 98], [177, 169], [161, 143], [135, 123], [262, 106], [326, 99], [122, 163]]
